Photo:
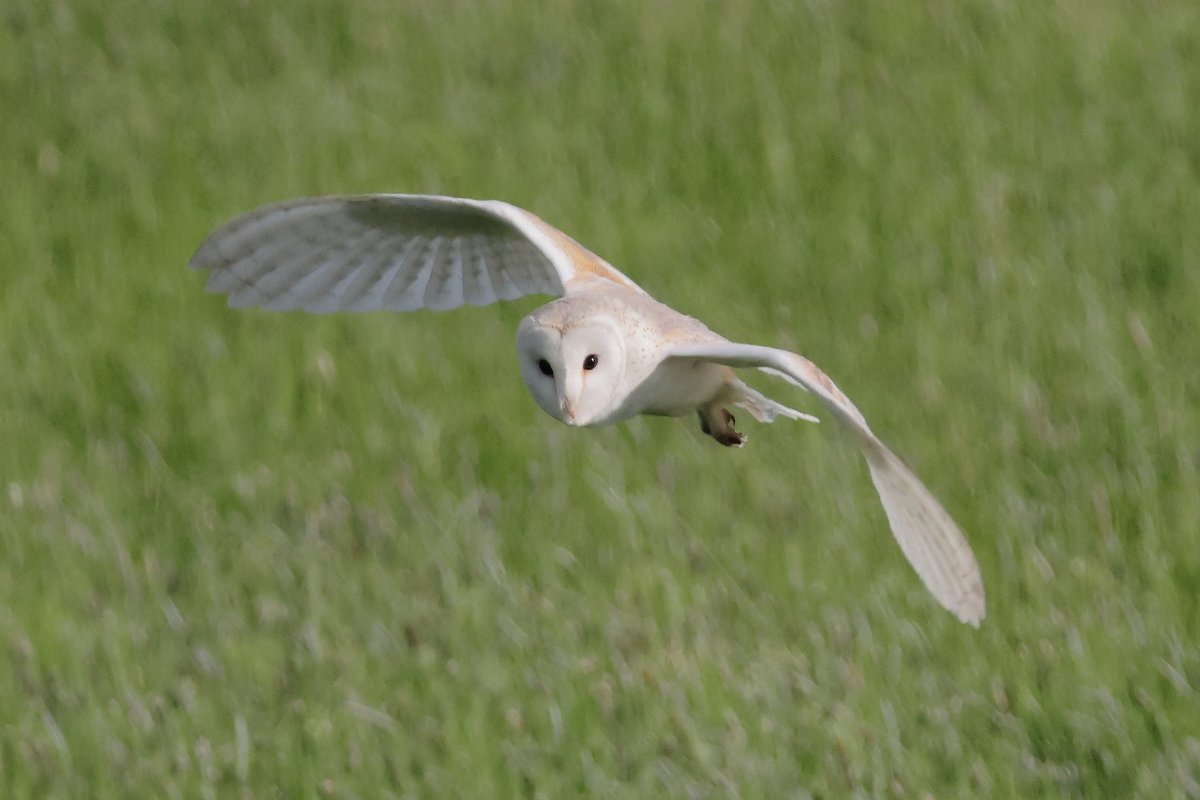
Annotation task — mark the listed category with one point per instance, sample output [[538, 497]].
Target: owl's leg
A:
[[718, 423]]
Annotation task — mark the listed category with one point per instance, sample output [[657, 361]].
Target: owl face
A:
[[573, 370]]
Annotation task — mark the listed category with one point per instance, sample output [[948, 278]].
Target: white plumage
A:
[[603, 352]]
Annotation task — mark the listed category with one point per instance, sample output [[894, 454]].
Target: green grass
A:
[[256, 555]]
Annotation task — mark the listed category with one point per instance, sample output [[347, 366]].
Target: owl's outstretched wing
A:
[[394, 252], [928, 536]]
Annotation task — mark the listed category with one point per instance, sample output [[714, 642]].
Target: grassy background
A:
[[257, 555]]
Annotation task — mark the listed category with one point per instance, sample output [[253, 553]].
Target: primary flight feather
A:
[[603, 352]]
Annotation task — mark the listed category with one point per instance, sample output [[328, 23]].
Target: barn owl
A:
[[602, 352]]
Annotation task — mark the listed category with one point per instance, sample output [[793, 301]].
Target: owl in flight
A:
[[602, 352]]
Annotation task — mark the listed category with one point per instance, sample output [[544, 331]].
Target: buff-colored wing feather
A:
[[394, 252], [929, 538]]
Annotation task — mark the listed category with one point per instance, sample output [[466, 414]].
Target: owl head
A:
[[572, 364]]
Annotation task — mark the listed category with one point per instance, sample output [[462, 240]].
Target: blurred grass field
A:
[[257, 555]]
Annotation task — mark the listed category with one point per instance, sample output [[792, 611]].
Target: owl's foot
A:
[[718, 423]]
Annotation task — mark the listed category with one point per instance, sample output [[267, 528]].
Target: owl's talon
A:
[[732, 439], [721, 429]]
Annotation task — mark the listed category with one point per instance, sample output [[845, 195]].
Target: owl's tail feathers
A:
[[763, 408]]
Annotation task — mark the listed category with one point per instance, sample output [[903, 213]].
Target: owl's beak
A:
[[567, 406]]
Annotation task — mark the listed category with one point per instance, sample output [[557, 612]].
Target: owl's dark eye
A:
[[546, 369], [591, 361]]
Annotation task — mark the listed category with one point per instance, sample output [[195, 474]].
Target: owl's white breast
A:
[[675, 387]]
